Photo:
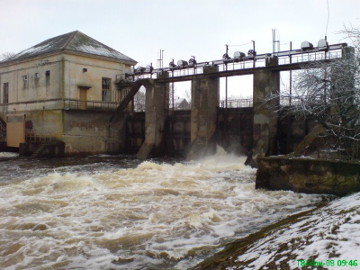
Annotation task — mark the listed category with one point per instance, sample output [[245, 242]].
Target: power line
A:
[[241, 44]]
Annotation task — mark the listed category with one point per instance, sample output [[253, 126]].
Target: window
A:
[[47, 77], [106, 83], [36, 79], [106, 96], [6, 93], [106, 90], [25, 81]]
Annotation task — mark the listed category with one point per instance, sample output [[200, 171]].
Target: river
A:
[[105, 212]]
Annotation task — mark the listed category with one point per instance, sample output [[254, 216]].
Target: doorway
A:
[[83, 97]]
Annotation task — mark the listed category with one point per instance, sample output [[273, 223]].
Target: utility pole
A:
[[226, 79], [253, 42], [161, 59], [290, 82], [275, 41]]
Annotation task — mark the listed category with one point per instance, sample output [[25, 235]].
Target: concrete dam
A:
[[254, 130]]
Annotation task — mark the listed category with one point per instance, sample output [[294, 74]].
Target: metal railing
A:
[[284, 58], [89, 105], [57, 104], [309, 57], [2, 131], [236, 103], [35, 138]]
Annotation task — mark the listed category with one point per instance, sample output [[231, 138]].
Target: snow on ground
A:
[[328, 237]]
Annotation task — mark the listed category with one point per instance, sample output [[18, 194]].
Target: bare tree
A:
[[139, 101], [6, 56], [329, 92], [188, 95]]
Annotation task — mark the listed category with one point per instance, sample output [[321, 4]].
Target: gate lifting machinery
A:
[[238, 56]]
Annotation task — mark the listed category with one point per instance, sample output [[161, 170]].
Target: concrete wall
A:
[[235, 130], [291, 131], [82, 131], [177, 133], [41, 149], [44, 123], [81, 127], [308, 175], [134, 133], [88, 132]]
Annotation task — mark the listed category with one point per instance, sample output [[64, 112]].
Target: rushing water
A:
[[113, 213]]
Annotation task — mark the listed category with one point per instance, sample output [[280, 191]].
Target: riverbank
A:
[[326, 237]]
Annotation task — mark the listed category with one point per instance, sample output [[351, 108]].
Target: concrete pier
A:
[[204, 104], [266, 87], [156, 111]]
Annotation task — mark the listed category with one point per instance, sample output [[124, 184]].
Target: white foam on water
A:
[[152, 215], [8, 155]]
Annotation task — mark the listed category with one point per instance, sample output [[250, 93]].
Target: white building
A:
[[62, 88]]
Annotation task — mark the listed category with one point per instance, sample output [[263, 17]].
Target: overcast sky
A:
[[182, 28]]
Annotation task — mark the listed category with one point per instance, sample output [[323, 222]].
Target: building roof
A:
[[72, 42]]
